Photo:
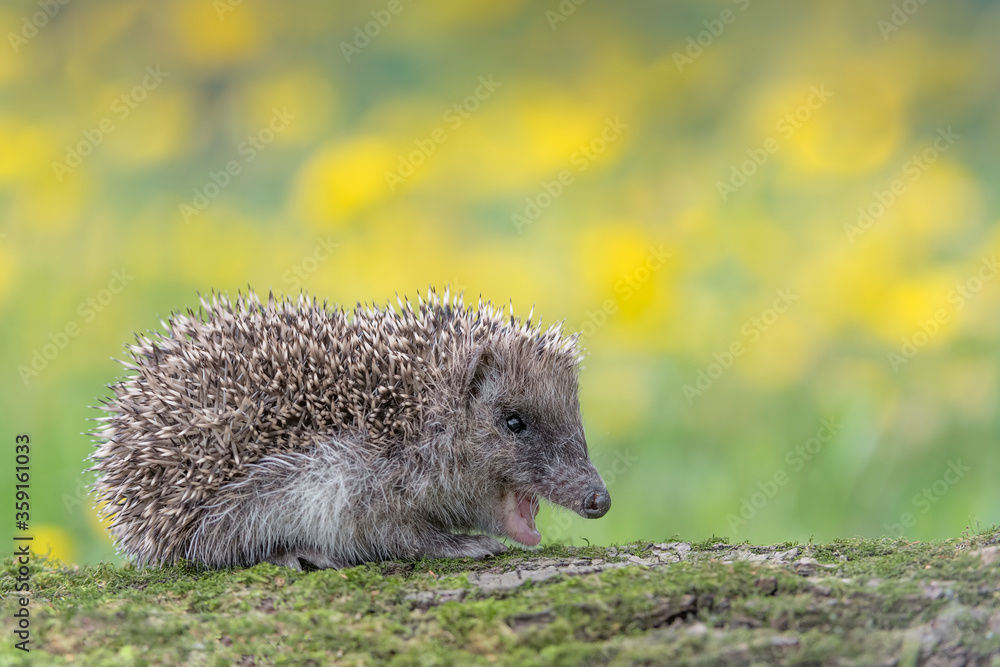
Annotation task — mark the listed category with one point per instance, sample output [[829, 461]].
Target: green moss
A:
[[709, 544], [862, 601]]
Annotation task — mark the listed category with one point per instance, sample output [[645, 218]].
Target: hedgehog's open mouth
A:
[[519, 510]]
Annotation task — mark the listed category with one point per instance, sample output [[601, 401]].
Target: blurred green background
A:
[[774, 223]]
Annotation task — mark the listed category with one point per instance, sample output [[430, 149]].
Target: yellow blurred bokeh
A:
[[756, 224]]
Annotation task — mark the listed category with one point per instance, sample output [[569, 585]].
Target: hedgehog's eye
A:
[[515, 423]]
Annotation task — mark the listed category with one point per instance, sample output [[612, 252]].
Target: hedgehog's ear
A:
[[482, 366]]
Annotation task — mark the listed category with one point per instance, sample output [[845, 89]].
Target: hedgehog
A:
[[307, 436]]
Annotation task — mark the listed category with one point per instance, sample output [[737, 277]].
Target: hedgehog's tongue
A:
[[519, 518]]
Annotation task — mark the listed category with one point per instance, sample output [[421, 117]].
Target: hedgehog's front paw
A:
[[312, 559], [488, 546], [320, 560], [467, 546], [284, 559]]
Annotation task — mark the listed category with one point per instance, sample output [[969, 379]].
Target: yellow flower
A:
[[53, 541]]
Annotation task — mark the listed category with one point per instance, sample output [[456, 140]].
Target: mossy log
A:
[[850, 602]]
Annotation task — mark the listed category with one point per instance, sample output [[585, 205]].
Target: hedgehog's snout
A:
[[596, 503]]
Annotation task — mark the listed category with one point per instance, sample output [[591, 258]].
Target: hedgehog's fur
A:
[[290, 432]]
